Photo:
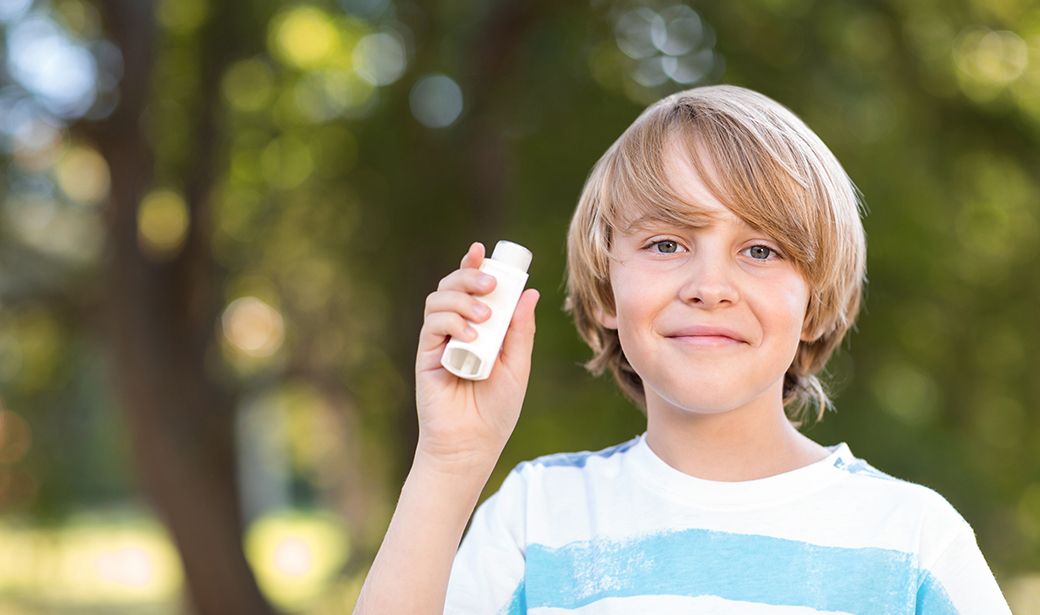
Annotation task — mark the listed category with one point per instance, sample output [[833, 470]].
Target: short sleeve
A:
[[960, 581], [488, 571]]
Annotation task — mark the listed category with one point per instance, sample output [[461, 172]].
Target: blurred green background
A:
[[220, 221]]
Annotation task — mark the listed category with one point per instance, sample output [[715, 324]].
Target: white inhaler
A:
[[474, 360]]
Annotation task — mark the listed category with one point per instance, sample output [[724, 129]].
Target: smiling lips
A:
[[707, 336]]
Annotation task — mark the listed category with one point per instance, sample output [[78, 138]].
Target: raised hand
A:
[[464, 422]]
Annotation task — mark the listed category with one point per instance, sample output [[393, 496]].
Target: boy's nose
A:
[[708, 283]]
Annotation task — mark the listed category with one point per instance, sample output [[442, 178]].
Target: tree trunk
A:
[[161, 321]]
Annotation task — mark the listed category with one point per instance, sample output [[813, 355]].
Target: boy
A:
[[715, 260]]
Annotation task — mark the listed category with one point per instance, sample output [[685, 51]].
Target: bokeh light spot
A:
[[59, 71], [286, 162], [649, 72], [162, 223], [690, 68], [248, 85], [304, 37], [109, 563], [293, 557], [253, 328], [54, 227], [322, 96], [24, 126], [679, 30], [82, 174], [379, 58], [634, 32], [295, 554], [129, 566], [988, 60], [436, 100]]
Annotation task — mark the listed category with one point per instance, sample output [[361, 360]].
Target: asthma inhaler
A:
[[474, 360]]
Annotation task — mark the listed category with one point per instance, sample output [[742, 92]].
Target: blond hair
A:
[[766, 166]]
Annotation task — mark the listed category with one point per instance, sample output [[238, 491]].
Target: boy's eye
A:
[[667, 246], [761, 253]]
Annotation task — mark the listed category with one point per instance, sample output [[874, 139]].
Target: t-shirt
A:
[[619, 531]]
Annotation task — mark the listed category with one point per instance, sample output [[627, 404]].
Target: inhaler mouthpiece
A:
[[473, 360]]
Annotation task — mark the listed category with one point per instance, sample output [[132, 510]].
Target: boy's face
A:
[[670, 281]]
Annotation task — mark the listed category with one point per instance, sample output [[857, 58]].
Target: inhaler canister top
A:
[[512, 254]]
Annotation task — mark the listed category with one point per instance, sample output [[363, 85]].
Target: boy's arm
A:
[[490, 567], [463, 427], [411, 570]]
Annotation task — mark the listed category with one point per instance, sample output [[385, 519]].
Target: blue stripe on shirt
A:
[[932, 599], [751, 568]]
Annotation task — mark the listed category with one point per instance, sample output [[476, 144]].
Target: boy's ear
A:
[[809, 335], [606, 320]]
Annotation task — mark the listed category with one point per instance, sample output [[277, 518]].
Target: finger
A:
[[457, 302], [474, 255], [469, 280], [519, 341], [441, 325]]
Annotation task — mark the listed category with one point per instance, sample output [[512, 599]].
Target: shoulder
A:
[[936, 520], [558, 479], [574, 469], [578, 459], [872, 479]]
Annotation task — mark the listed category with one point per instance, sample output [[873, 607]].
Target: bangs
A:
[[646, 197]]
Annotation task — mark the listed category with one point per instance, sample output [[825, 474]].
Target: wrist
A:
[[458, 465]]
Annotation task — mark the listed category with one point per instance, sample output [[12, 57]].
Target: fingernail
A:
[[485, 281]]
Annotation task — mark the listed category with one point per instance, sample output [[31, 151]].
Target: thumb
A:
[[519, 340]]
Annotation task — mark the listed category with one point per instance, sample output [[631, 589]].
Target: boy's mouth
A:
[[708, 336]]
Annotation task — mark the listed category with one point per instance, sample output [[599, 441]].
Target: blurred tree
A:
[[161, 311]]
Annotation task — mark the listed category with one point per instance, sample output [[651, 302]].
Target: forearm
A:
[[410, 572]]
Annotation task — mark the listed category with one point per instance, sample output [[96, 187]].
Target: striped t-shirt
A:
[[619, 531]]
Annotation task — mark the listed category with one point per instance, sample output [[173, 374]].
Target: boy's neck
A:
[[748, 443]]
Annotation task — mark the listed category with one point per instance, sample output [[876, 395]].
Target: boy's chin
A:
[[701, 402]]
